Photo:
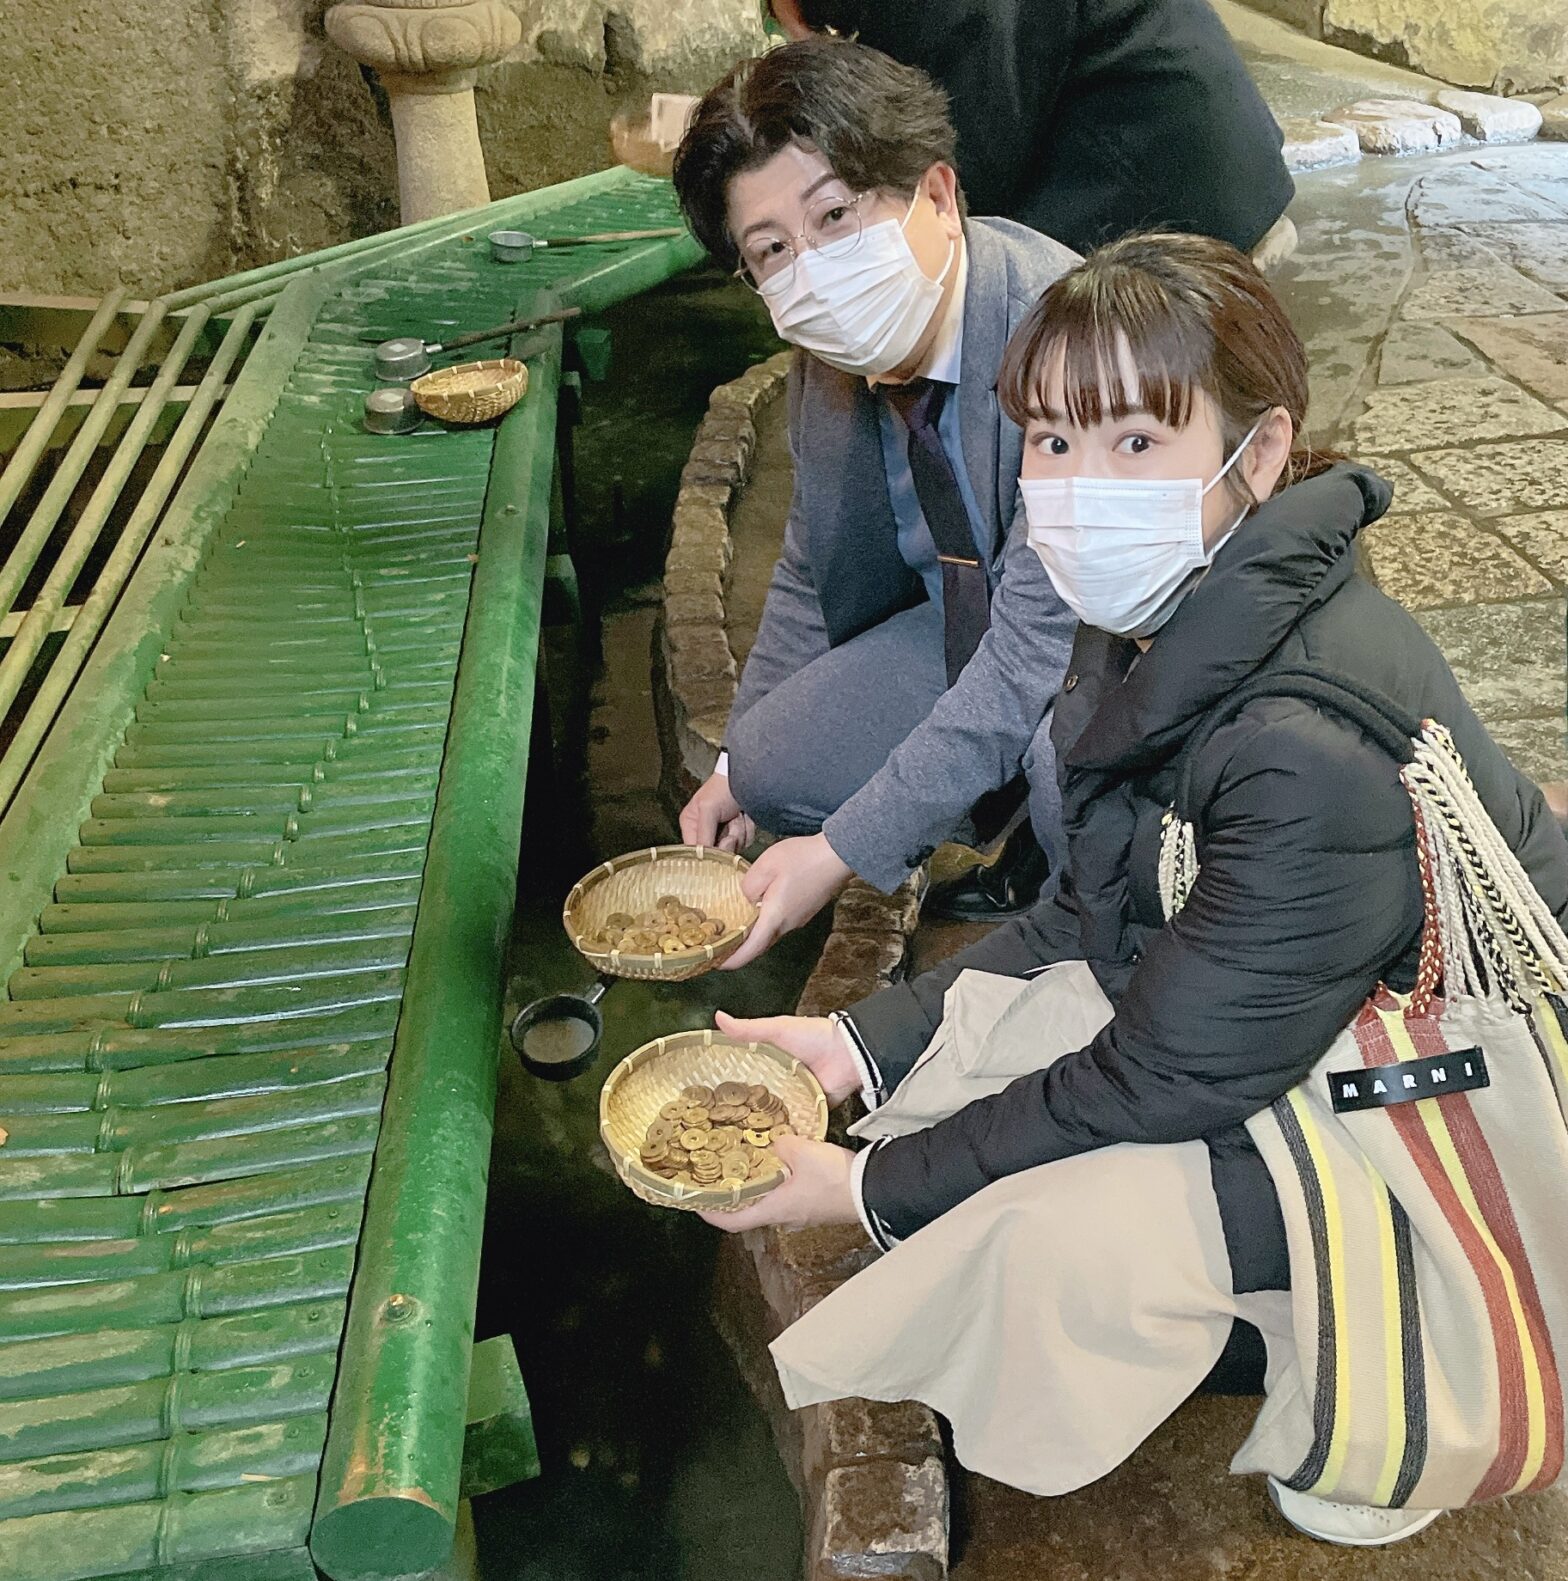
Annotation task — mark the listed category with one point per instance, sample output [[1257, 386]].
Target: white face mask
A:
[[1123, 552], [865, 311]]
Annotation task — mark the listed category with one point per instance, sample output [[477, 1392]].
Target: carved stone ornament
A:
[[425, 46]]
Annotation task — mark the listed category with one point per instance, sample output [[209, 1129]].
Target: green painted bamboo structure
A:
[[260, 882]]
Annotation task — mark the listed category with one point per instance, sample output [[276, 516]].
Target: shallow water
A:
[[657, 1465]]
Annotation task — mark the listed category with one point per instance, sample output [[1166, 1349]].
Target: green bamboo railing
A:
[[234, 1002]]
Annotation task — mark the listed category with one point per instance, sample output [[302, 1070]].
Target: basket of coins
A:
[[667, 913], [472, 392], [691, 1119]]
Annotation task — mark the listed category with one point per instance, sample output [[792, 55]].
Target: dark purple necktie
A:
[[966, 588]]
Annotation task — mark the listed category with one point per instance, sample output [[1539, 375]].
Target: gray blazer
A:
[[840, 574]]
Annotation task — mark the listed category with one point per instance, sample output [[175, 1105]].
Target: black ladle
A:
[[557, 1037]]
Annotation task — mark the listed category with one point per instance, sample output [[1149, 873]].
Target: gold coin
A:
[[693, 938], [756, 1094], [692, 1139], [661, 1131], [757, 1138], [699, 1095], [665, 902], [695, 1114], [729, 1092], [759, 1120], [617, 919], [671, 1111], [712, 929], [654, 1155], [687, 915]]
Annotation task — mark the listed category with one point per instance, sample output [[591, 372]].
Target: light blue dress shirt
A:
[[915, 545]]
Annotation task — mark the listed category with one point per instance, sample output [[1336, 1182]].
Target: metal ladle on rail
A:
[[520, 246], [408, 357]]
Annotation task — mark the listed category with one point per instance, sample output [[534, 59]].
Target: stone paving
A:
[[1463, 402]]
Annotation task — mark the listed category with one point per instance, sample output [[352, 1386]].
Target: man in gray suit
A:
[[911, 643]]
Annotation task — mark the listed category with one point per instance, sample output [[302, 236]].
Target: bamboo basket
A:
[[472, 392], [653, 1075], [632, 884]]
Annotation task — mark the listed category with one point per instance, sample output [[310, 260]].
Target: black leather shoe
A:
[[1007, 888]]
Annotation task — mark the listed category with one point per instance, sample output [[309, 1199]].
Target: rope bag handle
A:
[[1484, 925]]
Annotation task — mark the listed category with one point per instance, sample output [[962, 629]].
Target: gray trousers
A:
[[804, 748]]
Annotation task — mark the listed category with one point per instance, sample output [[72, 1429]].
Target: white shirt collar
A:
[[947, 351]]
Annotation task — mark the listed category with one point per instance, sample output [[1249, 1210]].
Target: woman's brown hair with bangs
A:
[[1195, 314]]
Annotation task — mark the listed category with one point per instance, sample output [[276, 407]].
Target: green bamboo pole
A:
[[271, 1235], [46, 514], [66, 1092], [132, 1413], [164, 1468], [219, 938], [109, 1047], [75, 1545], [355, 817], [299, 878], [161, 1126], [167, 1212], [173, 1297], [71, 1362], [38, 829], [95, 608], [128, 918], [390, 1477], [401, 241], [20, 467], [328, 850], [84, 535]]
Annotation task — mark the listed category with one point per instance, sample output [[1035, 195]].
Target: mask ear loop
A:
[[952, 246], [1235, 456]]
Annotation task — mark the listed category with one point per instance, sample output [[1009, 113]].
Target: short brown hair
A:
[[1196, 314], [880, 125]]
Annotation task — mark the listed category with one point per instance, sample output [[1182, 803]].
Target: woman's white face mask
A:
[[1123, 552], [862, 312]]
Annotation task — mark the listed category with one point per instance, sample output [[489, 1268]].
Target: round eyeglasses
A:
[[767, 258]]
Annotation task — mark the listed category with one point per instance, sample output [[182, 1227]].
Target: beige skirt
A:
[[1057, 1317]]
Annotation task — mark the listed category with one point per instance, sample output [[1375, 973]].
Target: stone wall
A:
[[1498, 46], [156, 143]]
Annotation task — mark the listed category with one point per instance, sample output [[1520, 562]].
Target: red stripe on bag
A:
[[1377, 1049], [1492, 1197]]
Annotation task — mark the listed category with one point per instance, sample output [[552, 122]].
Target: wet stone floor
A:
[[1433, 294]]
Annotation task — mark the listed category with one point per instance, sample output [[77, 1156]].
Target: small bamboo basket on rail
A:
[[654, 1075], [472, 392], [632, 884]]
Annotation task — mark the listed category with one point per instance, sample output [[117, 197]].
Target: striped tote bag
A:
[[1423, 1172]]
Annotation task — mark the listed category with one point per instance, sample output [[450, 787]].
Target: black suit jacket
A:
[[1087, 119]]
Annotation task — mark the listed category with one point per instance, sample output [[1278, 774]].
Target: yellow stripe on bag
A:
[[1547, 1024], [1334, 1234], [1393, 1340], [1431, 1112]]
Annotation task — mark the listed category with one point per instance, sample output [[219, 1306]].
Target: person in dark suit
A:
[[911, 645], [1090, 119]]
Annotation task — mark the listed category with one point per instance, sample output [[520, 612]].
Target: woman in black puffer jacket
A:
[[1162, 359]]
